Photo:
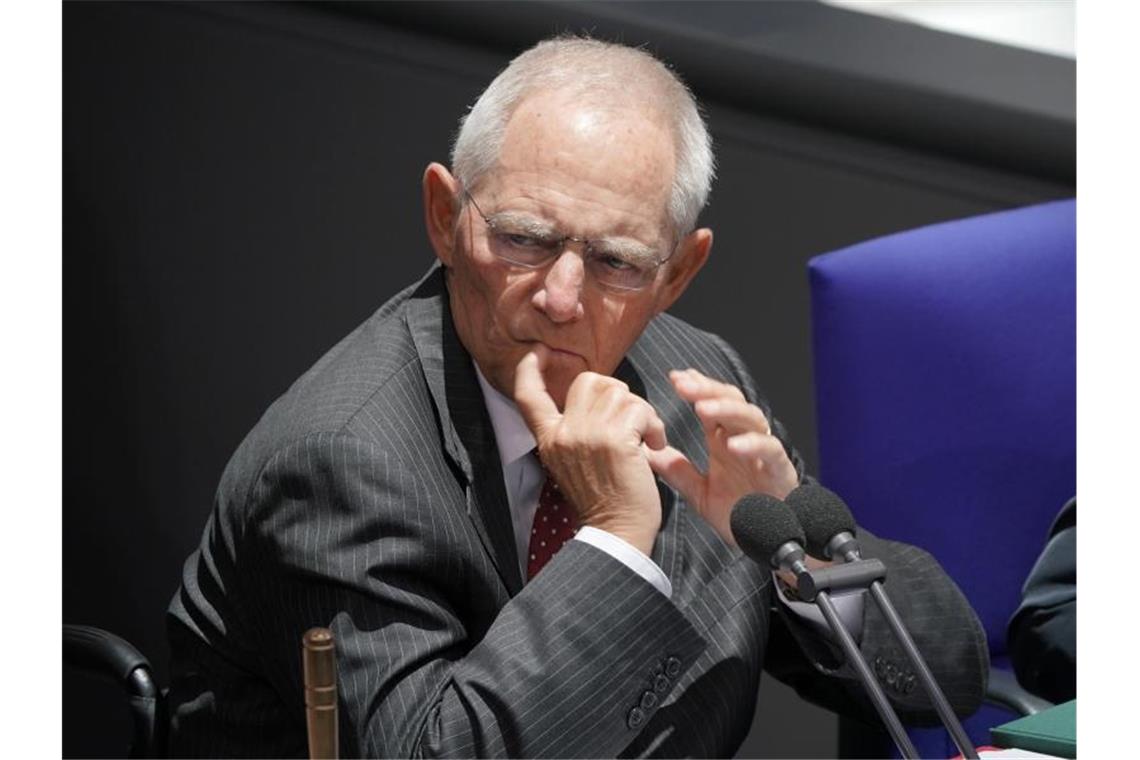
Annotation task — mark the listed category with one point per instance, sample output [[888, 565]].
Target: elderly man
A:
[[507, 492]]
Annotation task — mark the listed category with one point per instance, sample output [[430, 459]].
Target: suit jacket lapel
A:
[[468, 437]]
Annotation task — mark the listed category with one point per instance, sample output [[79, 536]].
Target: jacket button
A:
[[672, 667], [648, 700], [636, 718], [661, 684]]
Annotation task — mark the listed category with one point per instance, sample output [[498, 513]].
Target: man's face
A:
[[584, 172]]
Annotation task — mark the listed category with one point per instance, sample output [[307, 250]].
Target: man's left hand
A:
[[744, 456]]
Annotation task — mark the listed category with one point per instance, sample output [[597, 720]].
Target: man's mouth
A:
[[553, 349], [563, 353]]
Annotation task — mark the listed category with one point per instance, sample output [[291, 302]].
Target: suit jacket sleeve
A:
[[936, 613], [339, 531], [939, 619], [1043, 631]]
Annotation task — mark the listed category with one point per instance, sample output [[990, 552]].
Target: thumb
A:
[[537, 407], [675, 469]]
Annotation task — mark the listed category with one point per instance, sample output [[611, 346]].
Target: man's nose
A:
[[560, 297]]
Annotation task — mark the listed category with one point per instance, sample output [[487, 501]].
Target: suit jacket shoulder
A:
[[375, 359]]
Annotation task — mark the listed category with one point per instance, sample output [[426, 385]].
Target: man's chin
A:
[[558, 391]]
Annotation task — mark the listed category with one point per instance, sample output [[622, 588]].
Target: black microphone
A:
[[768, 532], [827, 522], [829, 530]]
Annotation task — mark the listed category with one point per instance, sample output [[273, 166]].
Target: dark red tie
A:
[[555, 523]]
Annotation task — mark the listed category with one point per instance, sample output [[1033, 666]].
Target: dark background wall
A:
[[241, 188]]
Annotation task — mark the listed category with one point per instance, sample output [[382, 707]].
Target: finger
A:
[[764, 457], [655, 432], [715, 437], [585, 391], [675, 469], [641, 418], [753, 444], [537, 407], [734, 415], [691, 385], [609, 398], [754, 454]]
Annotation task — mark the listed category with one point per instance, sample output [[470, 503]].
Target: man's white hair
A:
[[604, 74]]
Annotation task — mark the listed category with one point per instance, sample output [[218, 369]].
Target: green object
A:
[[1052, 731]]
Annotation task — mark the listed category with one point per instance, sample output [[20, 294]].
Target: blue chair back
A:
[[945, 372]]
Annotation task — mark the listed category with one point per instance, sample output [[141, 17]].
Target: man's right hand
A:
[[595, 448]]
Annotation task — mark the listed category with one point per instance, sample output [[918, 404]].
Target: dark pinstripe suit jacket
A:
[[369, 498]]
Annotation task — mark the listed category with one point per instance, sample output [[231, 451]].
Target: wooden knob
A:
[[318, 656]]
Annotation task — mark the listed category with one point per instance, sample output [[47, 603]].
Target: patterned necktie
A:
[[555, 523]]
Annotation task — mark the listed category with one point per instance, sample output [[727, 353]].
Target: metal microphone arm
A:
[[843, 544], [790, 557]]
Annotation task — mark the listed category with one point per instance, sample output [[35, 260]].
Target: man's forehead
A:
[[620, 157], [576, 116]]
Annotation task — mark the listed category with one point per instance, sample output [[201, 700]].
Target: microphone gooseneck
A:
[[829, 530], [768, 532]]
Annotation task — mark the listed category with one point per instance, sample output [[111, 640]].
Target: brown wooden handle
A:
[[318, 654]]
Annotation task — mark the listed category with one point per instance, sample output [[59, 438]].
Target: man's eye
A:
[[616, 263], [523, 241]]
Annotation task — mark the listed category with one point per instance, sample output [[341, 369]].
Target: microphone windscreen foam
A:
[[822, 514], [761, 524]]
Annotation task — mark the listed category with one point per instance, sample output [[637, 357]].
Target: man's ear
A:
[[441, 191], [692, 253]]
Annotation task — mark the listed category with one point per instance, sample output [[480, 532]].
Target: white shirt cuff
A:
[[849, 605], [627, 554]]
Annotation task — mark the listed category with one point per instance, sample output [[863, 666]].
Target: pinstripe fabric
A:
[[369, 498]]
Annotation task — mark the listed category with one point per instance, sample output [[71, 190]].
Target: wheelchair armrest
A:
[[1003, 689], [103, 654]]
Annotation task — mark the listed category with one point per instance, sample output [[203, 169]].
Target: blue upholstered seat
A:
[[945, 371]]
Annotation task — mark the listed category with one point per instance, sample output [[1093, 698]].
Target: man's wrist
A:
[[629, 555], [638, 537]]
